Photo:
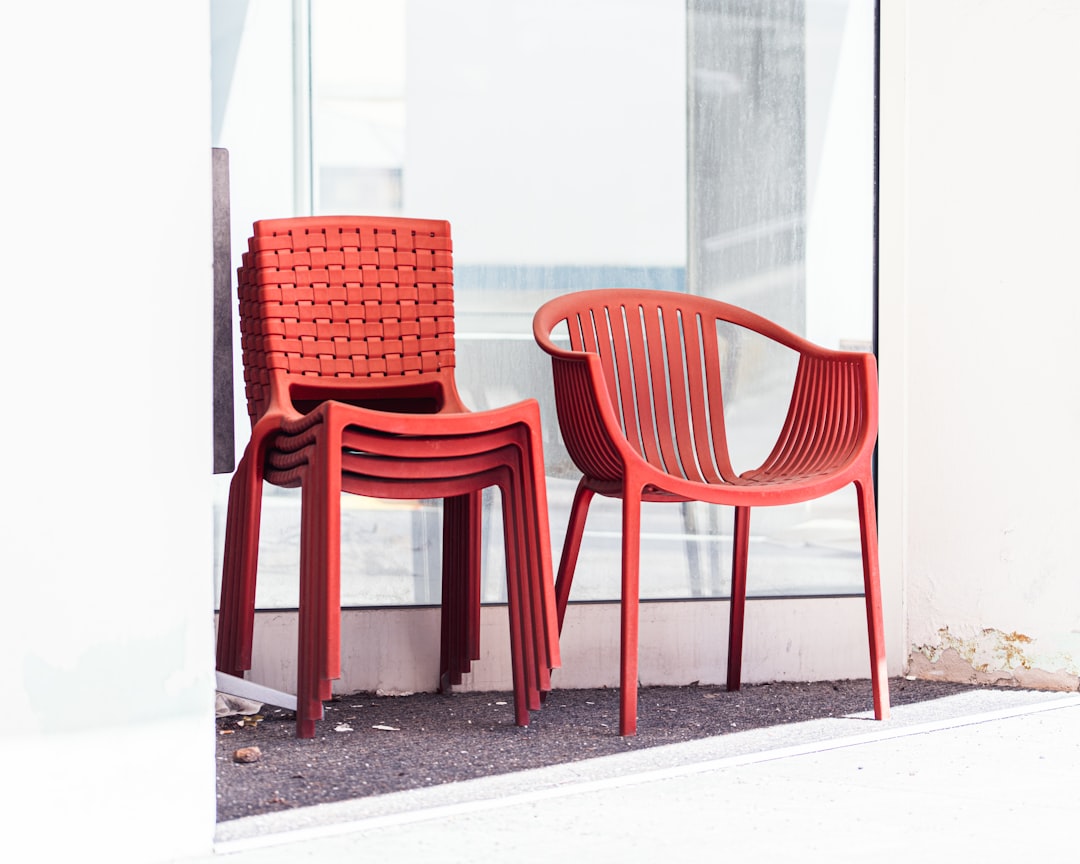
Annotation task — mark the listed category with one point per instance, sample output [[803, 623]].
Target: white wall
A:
[[980, 202], [107, 733]]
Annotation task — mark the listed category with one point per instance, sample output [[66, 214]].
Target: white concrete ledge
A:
[[397, 650]]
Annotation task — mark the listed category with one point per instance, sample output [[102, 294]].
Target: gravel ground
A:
[[371, 745]]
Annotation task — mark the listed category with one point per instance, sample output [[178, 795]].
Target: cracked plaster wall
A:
[[993, 657]]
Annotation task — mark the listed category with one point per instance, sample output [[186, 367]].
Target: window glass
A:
[[722, 148], [781, 203]]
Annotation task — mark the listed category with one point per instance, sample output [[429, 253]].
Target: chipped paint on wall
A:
[[991, 656]]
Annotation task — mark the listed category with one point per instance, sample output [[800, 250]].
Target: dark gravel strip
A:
[[434, 738]]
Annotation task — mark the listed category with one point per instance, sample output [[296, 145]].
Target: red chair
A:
[[638, 392], [347, 327]]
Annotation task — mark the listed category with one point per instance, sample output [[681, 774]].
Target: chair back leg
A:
[[460, 621], [872, 590], [739, 551], [579, 510]]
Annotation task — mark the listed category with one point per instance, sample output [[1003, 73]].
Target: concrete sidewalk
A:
[[989, 773]]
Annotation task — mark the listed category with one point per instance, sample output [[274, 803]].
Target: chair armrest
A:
[[832, 418]]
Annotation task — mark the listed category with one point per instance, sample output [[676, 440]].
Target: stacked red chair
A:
[[637, 377], [347, 333]]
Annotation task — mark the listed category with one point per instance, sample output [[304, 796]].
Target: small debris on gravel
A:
[[247, 755]]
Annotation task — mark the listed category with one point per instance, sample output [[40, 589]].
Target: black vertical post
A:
[[877, 205], [224, 443]]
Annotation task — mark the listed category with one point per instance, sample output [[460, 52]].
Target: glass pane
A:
[[553, 136], [358, 105], [781, 222], [723, 148]]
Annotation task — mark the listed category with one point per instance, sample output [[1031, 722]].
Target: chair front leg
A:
[[236, 616], [308, 701], [319, 636], [518, 605], [233, 593], [628, 648], [538, 550]]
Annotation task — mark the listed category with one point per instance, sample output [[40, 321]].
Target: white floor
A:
[[985, 774]]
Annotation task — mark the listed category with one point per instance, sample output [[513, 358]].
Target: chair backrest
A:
[[661, 358], [359, 309]]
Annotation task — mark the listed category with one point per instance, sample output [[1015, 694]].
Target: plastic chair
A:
[[640, 406], [347, 327]]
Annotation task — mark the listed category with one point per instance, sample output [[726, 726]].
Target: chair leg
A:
[[579, 510], [230, 604], [460, 625], [532, 565], [528, 562], [739, 552], [236, 617], [628, 650], [452, 526], [879, 675], [308, 703], [251, 522], [538, 550], [474, 539], [328, 531], [539, 618], [319, 636], [522, 654]]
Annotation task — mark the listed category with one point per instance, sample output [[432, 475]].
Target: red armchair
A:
[[640, 406]]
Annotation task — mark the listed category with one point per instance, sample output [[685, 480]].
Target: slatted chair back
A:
[[660, 356], [661, 363]]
